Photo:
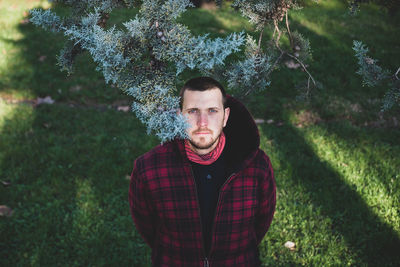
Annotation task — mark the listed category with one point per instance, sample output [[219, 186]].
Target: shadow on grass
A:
[[373, 240]]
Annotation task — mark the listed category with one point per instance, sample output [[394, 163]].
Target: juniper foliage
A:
[[373, 75], [147, 58]]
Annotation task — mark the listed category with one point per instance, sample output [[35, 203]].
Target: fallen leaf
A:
[[290, 245], [299, 125], [6, 183], [270, 121], [46, 100], [291, 64], [128, 177], [42, 58], [123, 108], [395, 122], [25, 13], [75, 88], [24, 21], [6, 211], [259, 121]]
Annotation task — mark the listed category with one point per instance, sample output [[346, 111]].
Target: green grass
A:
[[336, 159]]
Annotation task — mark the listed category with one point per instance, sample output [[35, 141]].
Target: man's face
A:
[[206, 116]]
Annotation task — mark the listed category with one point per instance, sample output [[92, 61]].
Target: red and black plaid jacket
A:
[[165, 208]]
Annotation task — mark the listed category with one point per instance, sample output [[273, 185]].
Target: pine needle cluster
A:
[[373, 75]]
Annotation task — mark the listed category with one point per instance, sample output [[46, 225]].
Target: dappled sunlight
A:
[[365, 167], [15, 118], [87, 217], [5, 111], [16, 69]]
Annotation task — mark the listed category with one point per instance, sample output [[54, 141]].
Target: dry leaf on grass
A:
[[75, 88], [6, 211], [290, 245], [291, 64], [46, 100], [123, 108], [42, 58], [259, 121], [6, 183], [24, 21]]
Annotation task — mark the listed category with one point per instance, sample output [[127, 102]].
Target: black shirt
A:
[[209, 179]]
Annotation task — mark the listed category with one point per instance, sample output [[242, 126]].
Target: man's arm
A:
[[141, 209], [267, 202]]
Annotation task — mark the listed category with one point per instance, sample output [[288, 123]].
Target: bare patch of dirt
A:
[[307, 117], [209, 5]]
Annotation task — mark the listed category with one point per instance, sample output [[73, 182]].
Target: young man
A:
[[208, 200]]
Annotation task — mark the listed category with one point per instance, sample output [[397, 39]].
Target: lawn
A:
[[64, 167]]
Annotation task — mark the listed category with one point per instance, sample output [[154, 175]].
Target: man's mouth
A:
[[201, 132]]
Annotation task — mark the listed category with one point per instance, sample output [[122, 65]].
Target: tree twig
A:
[[260, 38], [279, 33], [275, 63], [288, 30], [303, 66]]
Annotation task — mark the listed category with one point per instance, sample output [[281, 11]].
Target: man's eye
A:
[[192, 111], [213, 111]]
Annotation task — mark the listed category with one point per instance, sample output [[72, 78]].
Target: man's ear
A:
[[226, 115]]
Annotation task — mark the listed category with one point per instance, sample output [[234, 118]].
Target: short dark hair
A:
[[202, 84]]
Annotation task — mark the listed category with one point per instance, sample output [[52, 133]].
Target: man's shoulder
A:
[[159, 153], [261, 160]]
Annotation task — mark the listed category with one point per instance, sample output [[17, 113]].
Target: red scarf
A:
[[208, 158]]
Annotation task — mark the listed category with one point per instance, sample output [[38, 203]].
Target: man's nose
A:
[[202, 120]]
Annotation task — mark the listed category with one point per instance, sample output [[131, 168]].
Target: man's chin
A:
[[202, 144]]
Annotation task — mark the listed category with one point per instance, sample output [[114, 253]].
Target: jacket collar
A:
[[242, 136]]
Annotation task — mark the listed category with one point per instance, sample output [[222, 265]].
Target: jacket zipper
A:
[[215, 214], [206, 263]]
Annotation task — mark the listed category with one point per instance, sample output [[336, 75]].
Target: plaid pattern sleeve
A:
[[141, 210], [267, 202]]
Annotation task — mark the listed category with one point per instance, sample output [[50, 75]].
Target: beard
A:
[[200, 145]]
